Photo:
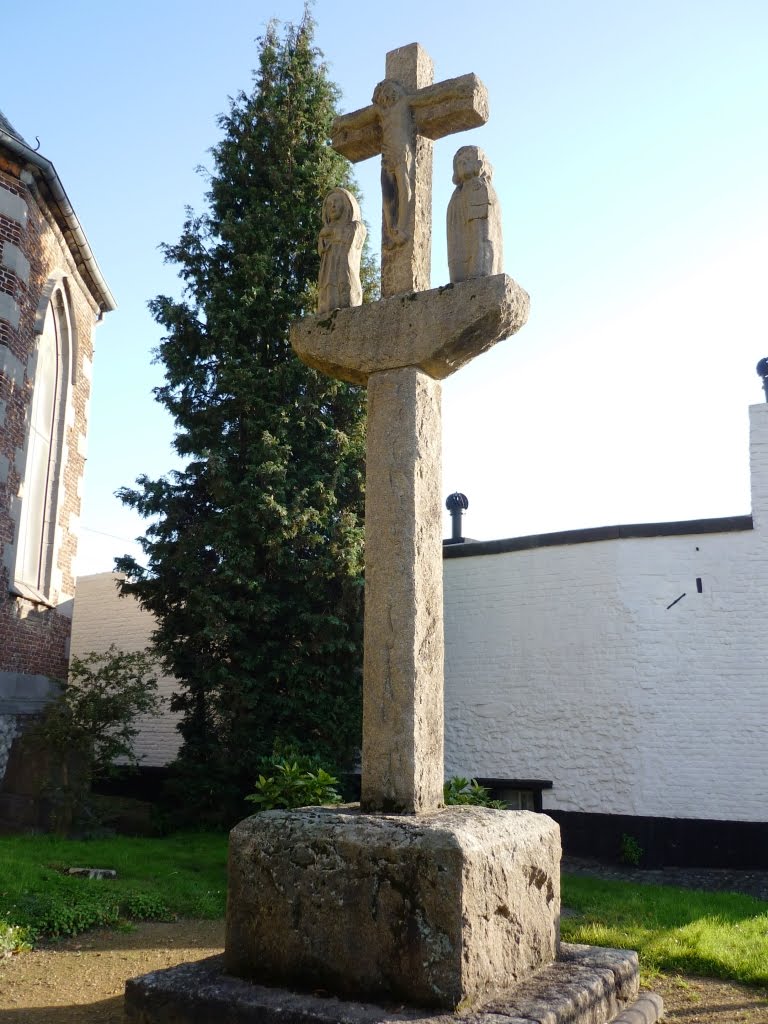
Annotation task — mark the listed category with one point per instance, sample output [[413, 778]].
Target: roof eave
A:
[[45, 173]]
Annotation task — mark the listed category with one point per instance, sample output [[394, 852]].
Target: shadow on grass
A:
[[105, 1011]]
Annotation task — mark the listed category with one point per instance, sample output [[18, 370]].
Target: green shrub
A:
[[463, 791], [292, 784], [89, 728], [630, 851], [14, 939]]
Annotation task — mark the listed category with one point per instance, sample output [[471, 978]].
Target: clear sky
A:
[[630, 148]]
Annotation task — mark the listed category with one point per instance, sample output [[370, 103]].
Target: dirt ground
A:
[[80, 980]]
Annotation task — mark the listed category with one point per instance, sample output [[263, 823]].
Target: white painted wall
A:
[[102, 617], [565, 663]]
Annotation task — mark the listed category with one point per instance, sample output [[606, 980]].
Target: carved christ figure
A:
[[392, 109], [397, 113], [340, 245], [475, 246], [407, 113], [397, 142]]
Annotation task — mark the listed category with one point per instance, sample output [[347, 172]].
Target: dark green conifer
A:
[[254, 551]]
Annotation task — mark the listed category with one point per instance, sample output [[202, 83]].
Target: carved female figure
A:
[[475, 245], [340, 245]]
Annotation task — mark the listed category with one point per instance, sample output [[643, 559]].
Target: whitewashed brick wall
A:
[[566, 663], [102, 617]]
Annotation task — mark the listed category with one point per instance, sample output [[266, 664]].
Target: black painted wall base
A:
[[666, 842]]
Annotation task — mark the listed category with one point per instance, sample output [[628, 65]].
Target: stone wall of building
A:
[[628, 669], [51, 296], [34, 634], [103, 618]]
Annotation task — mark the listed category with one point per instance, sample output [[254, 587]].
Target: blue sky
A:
[[630, 150]]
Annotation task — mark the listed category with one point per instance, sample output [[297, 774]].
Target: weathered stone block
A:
[[432, 910]]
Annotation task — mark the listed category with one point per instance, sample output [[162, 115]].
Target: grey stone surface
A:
[[403, 658], [430, 910], [10, 310], [438, 331], [15, 260], [406, 114], [13, 207], [202, 992], [25, 694], [647, 1009]]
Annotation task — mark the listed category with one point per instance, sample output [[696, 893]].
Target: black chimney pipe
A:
[[456, 503], [762, 371]]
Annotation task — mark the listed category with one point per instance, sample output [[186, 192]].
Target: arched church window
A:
[[41, 483]]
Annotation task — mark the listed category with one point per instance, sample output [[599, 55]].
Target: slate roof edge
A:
[[727, 524], [45, 175]]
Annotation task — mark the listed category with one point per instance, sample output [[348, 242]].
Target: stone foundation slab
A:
[[433, 910], [587, 985]]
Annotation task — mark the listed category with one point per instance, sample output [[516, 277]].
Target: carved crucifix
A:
[[400, 348], [406, 114]]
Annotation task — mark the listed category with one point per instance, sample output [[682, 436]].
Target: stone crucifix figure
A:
[[408, 112], [400, 348]]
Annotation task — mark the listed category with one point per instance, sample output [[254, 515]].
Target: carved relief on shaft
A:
[[475, 246], [340, 246]]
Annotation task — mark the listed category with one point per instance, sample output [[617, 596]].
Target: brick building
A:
[[52, 294]]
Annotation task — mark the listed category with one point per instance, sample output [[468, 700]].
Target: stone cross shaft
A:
[[400, 348], [401, 124]]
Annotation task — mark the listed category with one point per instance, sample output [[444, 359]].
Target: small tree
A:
[[89, 728]]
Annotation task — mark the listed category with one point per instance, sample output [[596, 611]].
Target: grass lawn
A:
[[157, 879], [717, 935]]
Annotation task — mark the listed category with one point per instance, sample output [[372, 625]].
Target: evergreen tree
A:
[[254, 551]]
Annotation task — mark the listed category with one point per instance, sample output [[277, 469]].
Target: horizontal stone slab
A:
[[583, 987], [438, 331]]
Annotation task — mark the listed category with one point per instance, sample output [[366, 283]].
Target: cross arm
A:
[[454, 105], [357, 135]]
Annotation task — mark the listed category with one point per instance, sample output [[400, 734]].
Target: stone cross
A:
[[407, 113], [400, 348]]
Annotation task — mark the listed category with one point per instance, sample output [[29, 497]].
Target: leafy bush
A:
[[294, 785], [463, 791], [96, 710], [89, 729], [630, 851], [68, 913], [14, 939]]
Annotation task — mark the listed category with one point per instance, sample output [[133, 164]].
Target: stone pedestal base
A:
[[586, 985], [440, 910]]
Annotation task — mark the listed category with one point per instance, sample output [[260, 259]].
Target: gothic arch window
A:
[[42, 478]]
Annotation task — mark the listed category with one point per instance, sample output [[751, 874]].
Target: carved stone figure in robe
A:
[[340, 245], [475, 246]]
